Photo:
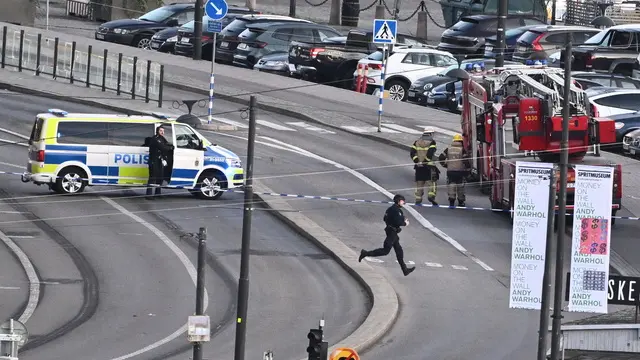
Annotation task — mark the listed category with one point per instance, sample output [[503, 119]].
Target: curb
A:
[[386, 306]]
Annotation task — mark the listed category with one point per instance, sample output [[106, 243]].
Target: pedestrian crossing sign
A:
[[385, 31]]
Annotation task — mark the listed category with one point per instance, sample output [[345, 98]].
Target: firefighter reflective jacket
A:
[[455, 158], [423, 152]]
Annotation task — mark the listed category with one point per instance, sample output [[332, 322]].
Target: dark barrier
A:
[[350, 13], [64, 60]]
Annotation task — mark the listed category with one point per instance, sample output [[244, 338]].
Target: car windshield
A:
[[447, 69], [158, 15], [375, 56], [188, 26], [597, 38], [464, 25]]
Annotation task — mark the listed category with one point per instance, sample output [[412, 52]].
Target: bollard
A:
[[146, 94], [73, 61], [119, 73], [160, 86], [4, 45], [421, 31], [89, 65], [55, 57], [365, 76], [21, 50], [104, 70], [359, 78], [38, 53], [133, 81]]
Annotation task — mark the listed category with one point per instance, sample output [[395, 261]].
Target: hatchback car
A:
[[608, 101], [268, 38], [138, 32], [511, 37], [588, 79], [228, 38], [548, 38]]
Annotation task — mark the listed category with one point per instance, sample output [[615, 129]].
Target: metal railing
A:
[[50, 56], [80, 8], [580, 12]]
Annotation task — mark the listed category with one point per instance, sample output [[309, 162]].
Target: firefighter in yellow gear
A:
[[455, 160], [423, 153]]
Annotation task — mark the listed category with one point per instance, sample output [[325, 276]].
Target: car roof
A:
[[178, 6], [268, 17], [631, 27], [589, 74], [552, 28], [276, 24], [608, 90], [411, 49]]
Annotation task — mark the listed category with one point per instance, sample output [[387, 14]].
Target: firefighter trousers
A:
[[431, 186], [455, 188]]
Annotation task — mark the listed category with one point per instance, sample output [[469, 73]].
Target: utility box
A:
[[19, 12]]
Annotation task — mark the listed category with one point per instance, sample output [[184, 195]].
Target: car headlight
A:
[[619, 125], [121, 31], [428, 86], [172, 39], [236, 163], [274, 63]]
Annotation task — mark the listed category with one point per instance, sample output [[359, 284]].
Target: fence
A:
[[59, 59], [580, 12]]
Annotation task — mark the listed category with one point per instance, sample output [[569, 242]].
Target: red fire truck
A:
[[515, 113]]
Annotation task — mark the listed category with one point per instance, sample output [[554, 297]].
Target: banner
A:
[[529, 239], [591, 239]]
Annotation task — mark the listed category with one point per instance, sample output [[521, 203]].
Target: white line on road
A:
[[430, 264], [231, 122], [424, 222], [402, 128], [21, 236], [183, 258], [459, 267], [304, 125], [13, 165], [14, 133], [13, 142], [9, 288], [369, 129], [274, 125], [34, 281]]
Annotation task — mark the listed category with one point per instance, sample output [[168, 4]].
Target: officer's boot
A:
[[363, 254], [407, 270], [452, 202], [149, 193], [460, 202]]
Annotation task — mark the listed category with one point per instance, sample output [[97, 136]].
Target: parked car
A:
[[228, 39], [138, 32], [404, 66], [332, 61], [266, 38], [631, 143], [467, 36], [274, 63], [635, 73], [588, 80], [164, 40], [511, 36], [547, 39], [625, 124], [420, 89], [186, 32], [608, 101], [446, 96], [613, 50]]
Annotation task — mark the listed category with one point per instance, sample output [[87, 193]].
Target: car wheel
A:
[[71, 180], [211, 185], [142, 42], [397, 90]]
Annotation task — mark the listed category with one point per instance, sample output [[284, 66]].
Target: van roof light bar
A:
[[58, 112]]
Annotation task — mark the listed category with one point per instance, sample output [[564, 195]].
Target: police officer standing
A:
[[393, 219], [159, 152], [422, 153], [455, 159]]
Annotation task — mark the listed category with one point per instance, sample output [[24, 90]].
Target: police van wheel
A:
[[69, 181], [211, 185]]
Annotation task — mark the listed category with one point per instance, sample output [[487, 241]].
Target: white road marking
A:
[[369, 129], [21, 237], [9, 288], [273, 125], [424, 222], [408, 262], [402, 128], [439, 130], [9, 212], [374, 260], [304, 125], [430, 264], [14, 133], [231, 122], [13, 142], [459, 267], [34, 281], [185, 261], [130, 234], [14, 165]]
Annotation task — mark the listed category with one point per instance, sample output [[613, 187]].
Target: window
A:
[[621, 101], [557, 38], [185, 16], [186, 138], [442, 60], [581, 37], [283, 34], [123, 134], [302, 34], [418, 59], [235, 27], [601, 38], [37, 129], [158, 15], [621, 39], [323, 34], [464, 25], [529, 37], [375, 56], [82, 132]]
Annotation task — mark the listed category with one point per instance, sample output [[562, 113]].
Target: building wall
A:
[[19, 12]]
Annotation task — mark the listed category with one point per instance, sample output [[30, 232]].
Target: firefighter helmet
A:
[[397, 198], [428, 130], [457, 137]]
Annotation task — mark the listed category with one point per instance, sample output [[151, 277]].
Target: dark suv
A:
[[228, 38], [549, 39], [267, 38], [185, 34], [138, 32], [467, 36]]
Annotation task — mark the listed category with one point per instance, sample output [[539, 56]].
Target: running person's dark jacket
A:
[[394, 217]]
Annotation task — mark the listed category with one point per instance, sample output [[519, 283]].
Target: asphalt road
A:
[[144, 291], [14, 285], [446, 312]]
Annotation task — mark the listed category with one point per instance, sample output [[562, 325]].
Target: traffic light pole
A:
[[502, 17], [197, 29], [202, 249], [562, 206], [243, 283]]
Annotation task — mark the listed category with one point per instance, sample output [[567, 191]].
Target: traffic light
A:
[[317, 348]]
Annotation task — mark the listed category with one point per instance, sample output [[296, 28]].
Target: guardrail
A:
[[61, 59]]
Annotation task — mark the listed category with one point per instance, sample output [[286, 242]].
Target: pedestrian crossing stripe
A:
[[385, 31]]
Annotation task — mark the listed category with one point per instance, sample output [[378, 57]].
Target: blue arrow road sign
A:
[[216, 9], [385, 31]]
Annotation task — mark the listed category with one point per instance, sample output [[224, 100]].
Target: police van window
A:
[[36, 130], [168, 133], [186, 138], [122, 134], [82, 132]]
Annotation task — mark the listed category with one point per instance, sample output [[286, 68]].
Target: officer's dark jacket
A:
[[159, 148], [394, 217]]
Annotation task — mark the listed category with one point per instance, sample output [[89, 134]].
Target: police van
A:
[[68, 151]]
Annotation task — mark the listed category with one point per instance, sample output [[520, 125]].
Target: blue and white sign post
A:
[[216, 10], [384, 32]]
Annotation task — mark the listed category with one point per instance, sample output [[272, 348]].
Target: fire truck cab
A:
[[515, 113]]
